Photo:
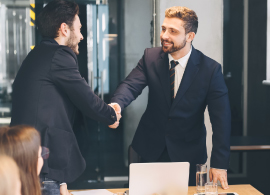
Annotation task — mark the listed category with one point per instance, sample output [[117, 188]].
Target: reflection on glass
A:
[[98, 45], [16, 40]]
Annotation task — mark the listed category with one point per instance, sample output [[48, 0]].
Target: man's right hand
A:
[[117, 110], [221, 175]]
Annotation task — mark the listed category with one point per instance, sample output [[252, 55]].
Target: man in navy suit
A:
[[182, 81]]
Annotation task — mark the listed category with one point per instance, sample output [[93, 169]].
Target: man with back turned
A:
[[48, 90], [182, 81]]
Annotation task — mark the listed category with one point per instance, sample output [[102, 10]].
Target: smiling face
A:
[[173, 37], [75, 35]]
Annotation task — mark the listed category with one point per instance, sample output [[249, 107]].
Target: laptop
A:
[[158, 178]]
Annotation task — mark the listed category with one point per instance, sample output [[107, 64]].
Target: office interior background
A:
[[116, 32]]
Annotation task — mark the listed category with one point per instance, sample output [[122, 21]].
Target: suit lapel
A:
[[163, 74], [188, 77]]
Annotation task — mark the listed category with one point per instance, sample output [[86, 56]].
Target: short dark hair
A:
[[187, 15], [54, 14]]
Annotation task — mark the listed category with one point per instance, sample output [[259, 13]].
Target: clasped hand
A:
[[117, 110]]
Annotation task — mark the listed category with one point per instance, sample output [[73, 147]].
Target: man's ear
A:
[[190, 37], [64, 30]]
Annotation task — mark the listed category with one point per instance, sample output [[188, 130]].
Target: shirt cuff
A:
[[63, 183]]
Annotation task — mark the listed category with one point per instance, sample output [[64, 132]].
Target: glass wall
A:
[[16, 40]]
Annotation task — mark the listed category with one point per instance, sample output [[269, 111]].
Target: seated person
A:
[[9, 176], [22, 143]]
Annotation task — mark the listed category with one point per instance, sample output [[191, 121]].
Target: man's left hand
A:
[[219, 174]]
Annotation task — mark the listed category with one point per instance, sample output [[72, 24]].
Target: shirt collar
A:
[[182, 61]]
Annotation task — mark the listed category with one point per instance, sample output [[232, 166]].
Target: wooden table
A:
[[240, 189]]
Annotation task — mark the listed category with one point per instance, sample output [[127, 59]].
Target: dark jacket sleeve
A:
[[220, 116], [132, 86], [65, 75]]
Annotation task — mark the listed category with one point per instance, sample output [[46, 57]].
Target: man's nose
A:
[[165, 35]]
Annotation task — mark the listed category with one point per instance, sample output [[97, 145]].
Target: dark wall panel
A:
[[258, 94], [233, 60]]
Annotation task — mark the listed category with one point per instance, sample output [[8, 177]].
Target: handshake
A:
[[117, 110]]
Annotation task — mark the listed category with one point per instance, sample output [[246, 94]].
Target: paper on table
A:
[[92, 192]]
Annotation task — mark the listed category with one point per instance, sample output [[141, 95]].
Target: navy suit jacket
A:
[[179, 126], [47, 92]]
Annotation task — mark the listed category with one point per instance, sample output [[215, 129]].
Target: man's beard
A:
[[173, 48], [72, 43]]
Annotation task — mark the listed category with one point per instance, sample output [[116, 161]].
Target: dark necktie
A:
[[172, 76]]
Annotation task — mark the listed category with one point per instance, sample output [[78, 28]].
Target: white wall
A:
[[209, 37]]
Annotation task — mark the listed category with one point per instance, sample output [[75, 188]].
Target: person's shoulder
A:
[[153, 53], [154, 50], [64, 56], [206, 60], [66, 51], [52, 46]]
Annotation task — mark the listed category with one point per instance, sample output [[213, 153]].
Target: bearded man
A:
[[182, 81], [48, 90]]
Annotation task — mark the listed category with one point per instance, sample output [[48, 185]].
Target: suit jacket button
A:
[[169, 119], [112, 116]]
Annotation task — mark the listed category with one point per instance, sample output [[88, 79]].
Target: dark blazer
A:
[[47, 92], [179, 126]]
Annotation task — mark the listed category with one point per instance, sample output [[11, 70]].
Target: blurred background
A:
[[116, 32]]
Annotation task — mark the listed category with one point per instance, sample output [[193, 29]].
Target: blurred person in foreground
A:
[[10, 183], [48, 90], [22, 143], [182, 82]]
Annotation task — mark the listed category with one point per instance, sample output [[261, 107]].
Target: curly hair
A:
[[187, 15]]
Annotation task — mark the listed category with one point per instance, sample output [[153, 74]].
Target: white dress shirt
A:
[[179, 69]]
